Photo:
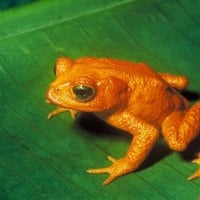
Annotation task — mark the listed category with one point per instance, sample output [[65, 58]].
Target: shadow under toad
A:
[[191, 96]]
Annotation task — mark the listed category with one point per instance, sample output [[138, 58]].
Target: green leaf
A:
[[43, 159]]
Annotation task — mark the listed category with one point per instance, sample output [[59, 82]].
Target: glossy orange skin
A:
[[131, 97]]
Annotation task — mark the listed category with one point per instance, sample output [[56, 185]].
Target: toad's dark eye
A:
[[83, 92]]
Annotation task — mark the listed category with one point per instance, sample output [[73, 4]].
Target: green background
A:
[[41, 159]]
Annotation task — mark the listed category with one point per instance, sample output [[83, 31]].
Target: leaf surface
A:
[[43, 159]]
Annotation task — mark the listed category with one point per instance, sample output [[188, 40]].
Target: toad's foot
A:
[[60, 110], [118, 168], [197, 173]]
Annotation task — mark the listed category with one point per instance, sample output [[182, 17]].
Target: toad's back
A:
[[112, 67], [149, 91]]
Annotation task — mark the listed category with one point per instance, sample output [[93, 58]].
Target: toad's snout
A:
[[55, 93]]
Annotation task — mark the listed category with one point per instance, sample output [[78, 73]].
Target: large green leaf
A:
[[43, 159]]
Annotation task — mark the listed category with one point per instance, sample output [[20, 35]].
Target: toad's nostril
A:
[[58, 89]]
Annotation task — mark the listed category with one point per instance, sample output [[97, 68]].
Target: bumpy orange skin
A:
[[131, 97]]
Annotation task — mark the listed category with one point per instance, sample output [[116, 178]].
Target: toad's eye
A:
[[83, 92]]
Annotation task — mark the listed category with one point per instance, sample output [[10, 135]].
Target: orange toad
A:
[[131, 97]]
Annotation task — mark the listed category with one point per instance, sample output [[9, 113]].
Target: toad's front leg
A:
[[145, 137], [61, 110]]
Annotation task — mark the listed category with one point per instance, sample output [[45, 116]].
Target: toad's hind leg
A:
[[178, 82], [181, 127]]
